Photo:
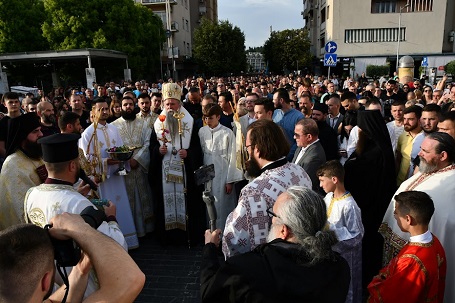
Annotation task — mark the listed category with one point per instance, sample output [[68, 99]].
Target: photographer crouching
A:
[[27, 268]]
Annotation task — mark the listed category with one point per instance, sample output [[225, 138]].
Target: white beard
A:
[[273, 232]]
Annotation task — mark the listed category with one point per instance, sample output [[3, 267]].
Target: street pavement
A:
[[172, 271]]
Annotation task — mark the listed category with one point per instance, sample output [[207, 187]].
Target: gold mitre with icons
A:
[[171, 91]]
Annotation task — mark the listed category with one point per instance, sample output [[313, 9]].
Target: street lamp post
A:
[[399, 34]]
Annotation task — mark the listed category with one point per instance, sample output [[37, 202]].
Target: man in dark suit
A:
[[334, 118], [309, 154]]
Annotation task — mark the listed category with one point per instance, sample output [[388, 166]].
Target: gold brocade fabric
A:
[[150, 119], [18, 175], [137, 133]]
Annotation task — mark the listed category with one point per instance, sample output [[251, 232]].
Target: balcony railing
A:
[[158, 1]]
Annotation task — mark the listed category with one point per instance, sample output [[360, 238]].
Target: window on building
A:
[[420, 6], [187, 25], [162, 16], [188, 49], [186, 4], [322, 41], [183, 23], [371, 35], [323, 15], [327, 13], [383, 6]]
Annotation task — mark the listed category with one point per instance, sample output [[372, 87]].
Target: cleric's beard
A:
[[130, 116], [172, 123], [252, 167], [427, 167], [33, 149]]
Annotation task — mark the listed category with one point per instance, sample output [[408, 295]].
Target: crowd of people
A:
[[318, 182]]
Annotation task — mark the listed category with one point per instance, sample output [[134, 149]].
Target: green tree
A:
[[120, 25], [450, 68], [20, 26], [219, 48], [287, 50], [377, 71], [259, 49]]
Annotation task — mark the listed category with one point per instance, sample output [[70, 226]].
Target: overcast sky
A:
[[254, 17]]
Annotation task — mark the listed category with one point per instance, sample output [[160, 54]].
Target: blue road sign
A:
[[331, 47], [330, 59], [425, 61]]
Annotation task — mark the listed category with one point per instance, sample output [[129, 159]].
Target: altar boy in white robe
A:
[[218, 146], [95, 141], [344, 218]]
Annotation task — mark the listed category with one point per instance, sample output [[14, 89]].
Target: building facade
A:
[[180, 19], [255, 61], [376, 31]]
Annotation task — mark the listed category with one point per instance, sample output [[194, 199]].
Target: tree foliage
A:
[[20, 26], [377, 71], [287, 49], [450, 68], [219, 48], [107, 24]]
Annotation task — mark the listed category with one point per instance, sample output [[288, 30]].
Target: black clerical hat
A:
[[322, 107], [18, 129], [59, 147]]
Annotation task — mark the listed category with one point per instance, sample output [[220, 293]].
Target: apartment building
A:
[[255, 61], [180, 19], [375, 31]]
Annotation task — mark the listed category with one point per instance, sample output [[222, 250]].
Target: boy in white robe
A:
[[344, 218], [218, 146]]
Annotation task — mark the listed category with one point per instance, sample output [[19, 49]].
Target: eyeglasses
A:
[[427, 90], [271, 213], [297, 136], [220, 85]]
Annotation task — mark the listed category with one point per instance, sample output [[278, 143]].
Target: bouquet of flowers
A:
[[119, 149]]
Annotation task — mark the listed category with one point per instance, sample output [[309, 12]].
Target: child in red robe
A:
[[417, 273]]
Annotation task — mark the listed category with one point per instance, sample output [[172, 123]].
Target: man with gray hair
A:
[[297, 264]]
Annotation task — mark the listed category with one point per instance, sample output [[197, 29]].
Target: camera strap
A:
[[61, 271]]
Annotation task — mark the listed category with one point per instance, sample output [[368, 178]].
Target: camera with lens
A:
[[67, 252]]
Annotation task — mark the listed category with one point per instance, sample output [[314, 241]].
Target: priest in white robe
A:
[[218, 146], [22, 169], [95, 141], [436, 178], [136, 133]]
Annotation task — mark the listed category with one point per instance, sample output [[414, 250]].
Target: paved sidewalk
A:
[[172, 272]]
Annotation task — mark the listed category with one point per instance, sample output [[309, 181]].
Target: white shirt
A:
[[424, 238], [303, 150], [334, 119]]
